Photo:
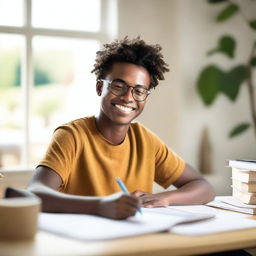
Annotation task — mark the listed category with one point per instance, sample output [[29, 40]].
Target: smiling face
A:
[[123, 109]]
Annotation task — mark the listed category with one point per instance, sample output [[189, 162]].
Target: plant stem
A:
[[251, 90]]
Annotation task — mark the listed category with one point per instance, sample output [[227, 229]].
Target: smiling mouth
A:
[[125, 109]]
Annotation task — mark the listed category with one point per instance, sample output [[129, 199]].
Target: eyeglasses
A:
[[120, 88]]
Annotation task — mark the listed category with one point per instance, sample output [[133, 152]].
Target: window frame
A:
[[107, 32]]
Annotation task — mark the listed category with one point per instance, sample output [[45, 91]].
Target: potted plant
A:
[[213, 80]]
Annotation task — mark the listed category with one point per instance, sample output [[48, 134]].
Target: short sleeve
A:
[[168, 165], [60, 155]]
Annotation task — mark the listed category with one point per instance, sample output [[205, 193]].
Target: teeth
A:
[[125, 109]]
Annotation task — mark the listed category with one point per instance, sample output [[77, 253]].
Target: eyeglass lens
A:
[[119, 88]]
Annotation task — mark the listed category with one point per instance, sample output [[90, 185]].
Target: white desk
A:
[[151, 244]]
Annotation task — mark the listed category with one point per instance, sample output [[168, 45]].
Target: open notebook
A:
[[192, 220], [89, 227]]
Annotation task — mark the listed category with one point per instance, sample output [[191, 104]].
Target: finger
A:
[[147, 199], [150, 201], [135, 205], [138, 193], [151, 204], [130, 200], [155, 203]]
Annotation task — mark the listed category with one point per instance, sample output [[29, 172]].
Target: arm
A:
[[45, 183], [192, 189]]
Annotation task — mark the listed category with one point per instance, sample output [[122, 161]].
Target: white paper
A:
[[189, 216], [233, 204], [202, 220], [89, 227], [223, 221]]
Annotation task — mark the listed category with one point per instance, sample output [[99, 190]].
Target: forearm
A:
[[197, 191], [45, 184], [54, 201], [194, 192]]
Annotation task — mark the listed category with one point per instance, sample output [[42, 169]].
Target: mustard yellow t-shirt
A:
[[88, 164]]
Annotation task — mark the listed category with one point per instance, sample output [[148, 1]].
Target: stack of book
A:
[[244, 180]]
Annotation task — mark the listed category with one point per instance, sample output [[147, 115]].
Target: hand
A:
[[152, 200], [118, 206]]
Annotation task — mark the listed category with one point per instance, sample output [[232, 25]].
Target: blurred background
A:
[[204, 109]]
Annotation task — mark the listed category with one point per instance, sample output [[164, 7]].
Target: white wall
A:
[[186, 30], [151, 20]]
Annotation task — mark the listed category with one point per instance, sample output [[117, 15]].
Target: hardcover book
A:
[[244, 186], [249, 165], [243, 175], [245, 197]]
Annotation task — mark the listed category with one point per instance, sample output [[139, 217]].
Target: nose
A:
[[127, 96]]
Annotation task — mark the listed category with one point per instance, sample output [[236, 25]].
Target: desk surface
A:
[[151, 244]]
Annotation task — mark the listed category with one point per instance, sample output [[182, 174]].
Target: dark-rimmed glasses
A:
[[119, 88]]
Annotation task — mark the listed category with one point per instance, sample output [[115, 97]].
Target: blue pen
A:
[[124, 189]]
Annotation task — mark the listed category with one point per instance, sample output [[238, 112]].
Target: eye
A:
[[118, 85], [139, 91]]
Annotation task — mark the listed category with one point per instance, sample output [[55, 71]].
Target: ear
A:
[[99, 86]]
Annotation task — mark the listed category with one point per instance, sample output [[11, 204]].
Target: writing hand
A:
[[118, 206], [152, 200]]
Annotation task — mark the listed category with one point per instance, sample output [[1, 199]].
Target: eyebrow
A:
[[136, 86]]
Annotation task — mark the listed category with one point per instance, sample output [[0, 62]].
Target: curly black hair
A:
[[134, 51]]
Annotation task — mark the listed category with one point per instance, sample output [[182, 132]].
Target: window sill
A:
[[14, 171], [18, 169]]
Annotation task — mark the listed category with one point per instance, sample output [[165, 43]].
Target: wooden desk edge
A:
[[158, 244]]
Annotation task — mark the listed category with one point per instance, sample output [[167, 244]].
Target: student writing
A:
[[77, 173]]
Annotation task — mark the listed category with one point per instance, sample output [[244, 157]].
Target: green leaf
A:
[[208, 84], [253, 62], [227, 13], [226, 45], [242, 127], [232, 81], [253, 24]]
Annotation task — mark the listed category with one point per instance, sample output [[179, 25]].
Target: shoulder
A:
[[76, 125], [74, 129]]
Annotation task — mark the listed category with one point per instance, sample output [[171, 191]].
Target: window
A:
[[12, 108], [46, 57], [11, 13], [83, 15]]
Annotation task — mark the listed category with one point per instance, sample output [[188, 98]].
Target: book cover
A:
[[247, 198], [249, 165], [244, 186], [243, 175]]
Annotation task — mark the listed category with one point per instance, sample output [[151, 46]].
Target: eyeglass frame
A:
[[148, 91]]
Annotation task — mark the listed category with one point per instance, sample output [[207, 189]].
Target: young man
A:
[[77, 174]]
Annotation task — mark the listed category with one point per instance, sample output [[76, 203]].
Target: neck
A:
[[114, 133]]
